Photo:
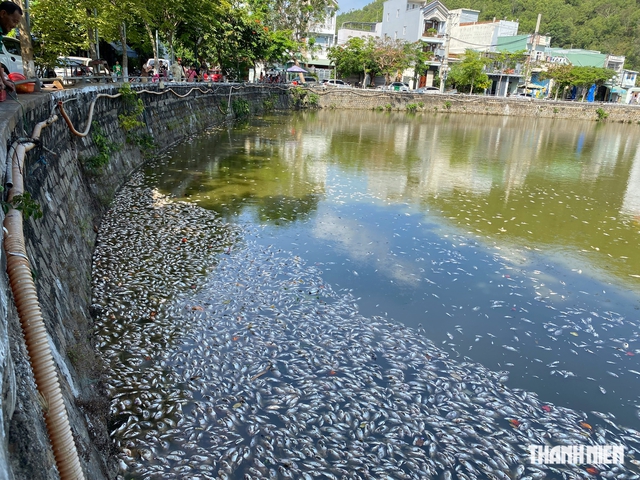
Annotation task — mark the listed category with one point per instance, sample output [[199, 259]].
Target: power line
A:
[[483, 45]]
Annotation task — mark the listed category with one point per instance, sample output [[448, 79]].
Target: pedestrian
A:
[[176, 71], [146, 69], [192, 73], [117, 69], [10, 16], [202, 71]]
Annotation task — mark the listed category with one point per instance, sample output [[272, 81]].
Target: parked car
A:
[[334, 82], [73, 67], [310, 81], [398, 87], [428, 90], [10, 55]]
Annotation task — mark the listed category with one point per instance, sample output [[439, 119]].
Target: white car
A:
[[334, 82], [428, 90], [10, 56], [73, 67], [398, 87]]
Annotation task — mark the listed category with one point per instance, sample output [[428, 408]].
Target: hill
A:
[[610, 26]]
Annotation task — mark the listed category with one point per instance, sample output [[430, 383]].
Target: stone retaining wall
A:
[[509, 106]]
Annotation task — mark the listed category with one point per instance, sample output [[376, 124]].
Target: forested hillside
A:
[[611, 26]]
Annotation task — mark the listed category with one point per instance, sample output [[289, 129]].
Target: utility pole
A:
[[444, 67], [532, 50]]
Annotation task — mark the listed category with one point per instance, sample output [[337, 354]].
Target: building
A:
[[357, 30], [509, 76], [320, 38], [613, 91], [433, 23], [468, 33]]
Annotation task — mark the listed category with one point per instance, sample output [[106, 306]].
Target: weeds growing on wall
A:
[[27, 205], [302, 98], [412, 107], [602, 114], [144, 141], [133, 108], [105, 149], [269, 104], [241, 108]]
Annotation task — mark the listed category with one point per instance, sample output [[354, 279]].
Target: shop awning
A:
[[131, 53]]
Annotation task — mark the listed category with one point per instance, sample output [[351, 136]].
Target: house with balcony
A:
[[320, 38], [513, 73], [431, 22]]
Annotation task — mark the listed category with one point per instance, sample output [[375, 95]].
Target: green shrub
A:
[[447, 105], [601, 113], [105, 149], [412, 107], [28, 206], [133, 108], [314, 99], [240, 108], [269, 104]]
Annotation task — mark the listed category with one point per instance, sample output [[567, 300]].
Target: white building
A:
[[320, 38], [402, 20], [358, 30], [412, 21], [430, 23], [475, 35]]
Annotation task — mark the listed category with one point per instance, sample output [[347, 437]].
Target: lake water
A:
[[486, 231], [510, 243]]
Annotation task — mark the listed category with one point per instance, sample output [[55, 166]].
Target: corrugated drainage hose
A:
[[26, 300]]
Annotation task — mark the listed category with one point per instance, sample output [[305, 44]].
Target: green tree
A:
[[390, 58], [470, 72], [354, 57], [60, 28], [417, 58], [586, 76], [561, 75]]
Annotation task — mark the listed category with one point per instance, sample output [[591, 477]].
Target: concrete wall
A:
[[465, 104], [60, 247]]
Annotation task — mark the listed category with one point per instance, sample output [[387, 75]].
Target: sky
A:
[[346, 5]]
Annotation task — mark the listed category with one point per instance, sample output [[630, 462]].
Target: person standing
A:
[[10, 16], [192, 74], [146, 69], [117, 69], [176, 71]]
